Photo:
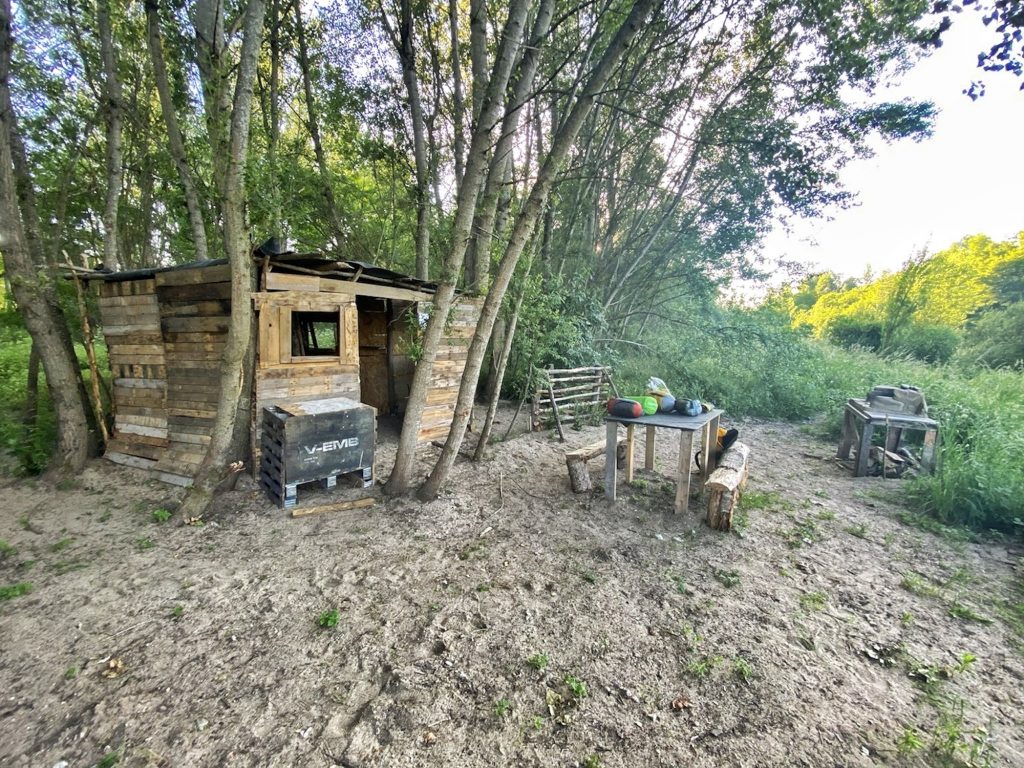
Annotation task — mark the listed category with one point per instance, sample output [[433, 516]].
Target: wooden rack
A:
[[561, 392]]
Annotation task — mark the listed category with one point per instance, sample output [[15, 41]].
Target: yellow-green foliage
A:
[[950, 286]]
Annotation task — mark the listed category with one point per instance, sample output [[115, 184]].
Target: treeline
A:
[[965, 301]]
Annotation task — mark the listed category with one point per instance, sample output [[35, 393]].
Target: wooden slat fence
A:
[[574, 389]]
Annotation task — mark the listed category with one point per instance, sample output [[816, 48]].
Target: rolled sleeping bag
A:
[[688, 407], [624, 408], [649, 404], [666, 403]]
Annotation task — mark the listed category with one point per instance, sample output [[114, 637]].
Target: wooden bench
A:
[[576, 461], [726, 485]]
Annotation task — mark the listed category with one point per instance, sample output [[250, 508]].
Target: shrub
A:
[[996, 338], [848, 331], [930, 343]]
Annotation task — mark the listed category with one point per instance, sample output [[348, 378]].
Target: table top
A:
[[669, 420], [895, 418]]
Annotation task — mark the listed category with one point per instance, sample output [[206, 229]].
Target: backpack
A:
[[726, 437]]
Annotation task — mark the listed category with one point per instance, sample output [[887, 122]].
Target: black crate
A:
[[315, 440]]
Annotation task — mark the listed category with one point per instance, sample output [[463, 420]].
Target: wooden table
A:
[[861, 418], [687, 425]]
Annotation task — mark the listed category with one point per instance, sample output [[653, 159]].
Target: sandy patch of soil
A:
[[198, 646]]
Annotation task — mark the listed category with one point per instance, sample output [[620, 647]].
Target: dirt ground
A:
[[825, 633]]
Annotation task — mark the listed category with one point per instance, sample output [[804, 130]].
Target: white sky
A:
[[966, 179]]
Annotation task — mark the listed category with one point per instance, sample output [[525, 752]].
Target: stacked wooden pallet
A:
[[195, 311], [449, 364], [131, 326]]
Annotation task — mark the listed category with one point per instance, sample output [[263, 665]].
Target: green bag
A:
[[649, 404]]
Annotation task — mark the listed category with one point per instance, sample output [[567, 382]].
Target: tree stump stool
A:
[[726, 485], [576, 462]]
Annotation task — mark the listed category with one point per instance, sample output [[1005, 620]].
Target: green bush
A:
[[931, 343], [848, 332], [996, 338]]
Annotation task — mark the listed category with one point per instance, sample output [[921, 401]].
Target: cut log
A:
[[576, 462], [726, 485]]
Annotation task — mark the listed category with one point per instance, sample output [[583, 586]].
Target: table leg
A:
[[928, 452], [629, 452], [846, 436], [683, 483], [865, 447], [649, 449], [610, 458], [710, 448]]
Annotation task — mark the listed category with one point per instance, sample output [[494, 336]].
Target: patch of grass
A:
[[502, 707], [577, 686], [109, 760], [804, 532], [477, 550], [960, 611], [145, 543], [917, 584], [537, 722], [826, 514], [161, 515], [909, 742], [860, 530], [701, 668], [24, 523], [743, 669], [64, 543], [931, 525], [768, 501], [538, 661], [727, 578], [177, 611], [813, 601], [328, 619], [71, 673], [592, 761], [15, 590], [906, 618], [588, 576], [6, 550]]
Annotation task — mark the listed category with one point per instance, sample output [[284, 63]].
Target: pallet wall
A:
[[195, 311], [131, 328], [447, 371]]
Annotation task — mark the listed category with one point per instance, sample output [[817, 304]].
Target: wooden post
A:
[[554, 410], [649, 449], [90, 353], [683, 483], [865, 447], [611, 443], [629, 452], [710, 447]]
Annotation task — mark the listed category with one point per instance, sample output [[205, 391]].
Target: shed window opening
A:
[[315, 334]]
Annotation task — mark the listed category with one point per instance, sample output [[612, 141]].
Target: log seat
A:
[[726, 485], [576, 462]]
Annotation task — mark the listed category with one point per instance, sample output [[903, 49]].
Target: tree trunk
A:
[[458, 105], [274, 134], [407, 53], [498, 375], [33, 292], [501, 159], [236, 368], [521, 234], [115, 121], [313, 124], [476, 168], [175, 141]]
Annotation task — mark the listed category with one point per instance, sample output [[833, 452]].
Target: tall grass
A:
[[751, 365]]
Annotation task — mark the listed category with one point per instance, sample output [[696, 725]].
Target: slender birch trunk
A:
[[476, 169], [175, 141], [521, 233], [229, 427], [32, 289], [115, 122]]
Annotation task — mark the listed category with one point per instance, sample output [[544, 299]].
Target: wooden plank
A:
[[194, 276], [630, 445], [340, 506], [195, 324], [200, 292], [682, 501], [201, 308], [279, 281], [129, 461], [610, 463]]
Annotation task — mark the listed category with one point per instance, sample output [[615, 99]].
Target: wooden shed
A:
[[324, 328]]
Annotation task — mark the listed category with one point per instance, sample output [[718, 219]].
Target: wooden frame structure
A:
[[560, 391], [166, 328]]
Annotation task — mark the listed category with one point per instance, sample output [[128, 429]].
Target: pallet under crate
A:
[[314, 441]]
